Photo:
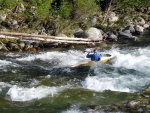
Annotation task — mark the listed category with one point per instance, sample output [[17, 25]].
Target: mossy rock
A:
[[4, 41]]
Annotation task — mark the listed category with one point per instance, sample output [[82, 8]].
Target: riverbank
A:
[[30, 42], [110, 25]]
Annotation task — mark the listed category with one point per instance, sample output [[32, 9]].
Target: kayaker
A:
[[94, 56]]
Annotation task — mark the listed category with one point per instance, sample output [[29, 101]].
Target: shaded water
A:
[[44, 82]]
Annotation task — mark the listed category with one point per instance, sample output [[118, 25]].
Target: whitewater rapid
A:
[[129, 71]]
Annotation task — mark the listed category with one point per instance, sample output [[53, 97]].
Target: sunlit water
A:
[[44, 82]]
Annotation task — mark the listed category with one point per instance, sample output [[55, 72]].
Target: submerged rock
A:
[[95, 107]]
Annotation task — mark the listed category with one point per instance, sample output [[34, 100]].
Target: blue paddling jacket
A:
[[94, 57]]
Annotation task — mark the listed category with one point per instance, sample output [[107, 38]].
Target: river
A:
[[44, 82]]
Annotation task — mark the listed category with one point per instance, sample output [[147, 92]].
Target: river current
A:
[[44, 82]]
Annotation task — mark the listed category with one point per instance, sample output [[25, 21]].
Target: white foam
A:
[[4, 63], [73, 109], [17, 93], [106, 83], [67, 58], [137, 60], [48, 76], [77, 109], [13, 54], [4, 85]]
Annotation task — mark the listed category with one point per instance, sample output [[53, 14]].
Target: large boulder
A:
[[94, 34]]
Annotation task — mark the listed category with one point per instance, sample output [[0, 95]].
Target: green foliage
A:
[[8, 4], [86, 6], [65, 10], [34, 2], [43, 7], [132, 3], [68, 14]]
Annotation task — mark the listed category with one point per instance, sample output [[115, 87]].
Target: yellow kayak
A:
[[104, 59]]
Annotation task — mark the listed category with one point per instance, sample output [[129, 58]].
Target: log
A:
[[42, 36], [47, 38]]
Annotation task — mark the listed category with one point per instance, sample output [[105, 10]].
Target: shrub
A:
[[8, 4], [43, 7], [65, 10]]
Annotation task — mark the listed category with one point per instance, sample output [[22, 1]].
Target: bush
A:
[[43, 8], [65, 10], [8, 4], [87, 6]]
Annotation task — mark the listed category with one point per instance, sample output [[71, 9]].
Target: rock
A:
[[130, 28], [127, 35], [114, 109], [20, 8], [27, 45], [35, 32], [141, 22], [16, 27], [43, 33], [93, 21], [1, 46], [139, 29], [95, 107], [133, 104], [140, 110], [148, 90], [146, 26], [110, 36], [50, 45], [4, 29], [5, 49], [3, 17], [113, 17], [14, 22], [62, 35], [94, 34], [127, 31], [35, 44], [21, 44], [41, 28], [112, 14], [80, 34], [11, 45]]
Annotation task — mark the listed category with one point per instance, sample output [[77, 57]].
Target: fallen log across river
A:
[[47, 38]]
